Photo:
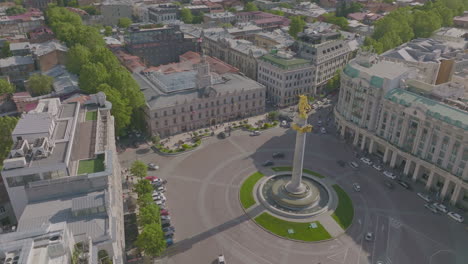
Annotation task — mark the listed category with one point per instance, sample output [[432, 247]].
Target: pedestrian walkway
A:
[[174, 142]]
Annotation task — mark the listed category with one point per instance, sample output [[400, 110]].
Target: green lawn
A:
[[289, 168], [91, 165], [246, 190], [344, 213], [302, 231], [90, 116]]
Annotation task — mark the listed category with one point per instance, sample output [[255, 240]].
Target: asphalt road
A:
[[202, 195]]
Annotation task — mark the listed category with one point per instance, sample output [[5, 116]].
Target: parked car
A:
[[323, 130], [169, 232], [356, 187], [170, 236], [440, 207], [165, 229], [456, 217], [221, 259], [425, 197], [369, 236], [431, 208], [366, 161], [284, 123], [268, 163], [165, 221], [222, 135], [255, 133], [153, 166], [278, 155], [165, 217], [377, 167], [320, 122], [404, 184], [341, 163], [353, 165], [159, 202], [389, 175], [169, 242], [164, 212], [161, 189], [164, 225], [388, 184]]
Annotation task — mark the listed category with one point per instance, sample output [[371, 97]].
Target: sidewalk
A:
[[173, 142]]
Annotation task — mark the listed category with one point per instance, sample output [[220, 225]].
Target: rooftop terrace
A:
[[285, 63]]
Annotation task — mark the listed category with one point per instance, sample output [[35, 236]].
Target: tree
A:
[[143, 186], [92, 10], [151, 240], [339, 21], [232, 10], [6, 87], [40, 84], [425, 23], [5, 52], [149, 214], [15, 10], [139, 169], [226, 25], [145, 200], [273, 115], [186, 15], [120, 107], [334, 83], [156, 139], [249, 7], [7, 124], [296, 26], [276, 12], [286, 5], [77, 56], [91, 76], [124, 22], [107, 31]]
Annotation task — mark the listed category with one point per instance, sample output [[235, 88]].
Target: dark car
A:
[[222, 135], [268, 163], [389, 184], [341, 163], [404, 184], [164, 225], [278, 155]]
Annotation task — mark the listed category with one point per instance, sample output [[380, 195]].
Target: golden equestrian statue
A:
[[303, 108]]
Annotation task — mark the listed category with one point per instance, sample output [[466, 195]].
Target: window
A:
[[165, 113], [191, 117], [183, 118], [2, 210], [246, 97], [155, 115], [206, 105], [156, 124], [183, 109], [199, 106], [217, 102], [165, 122], [212, 104], [174, 120], [199, 115], [173, 111]]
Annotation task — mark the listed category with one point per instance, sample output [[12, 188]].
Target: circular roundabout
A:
[[319, 211]]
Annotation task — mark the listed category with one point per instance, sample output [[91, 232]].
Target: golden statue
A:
[[303, 109]]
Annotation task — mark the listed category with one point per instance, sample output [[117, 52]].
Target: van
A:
[[353, 165]]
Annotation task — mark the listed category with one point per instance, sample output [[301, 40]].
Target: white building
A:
[[416, 127], [63, 168]]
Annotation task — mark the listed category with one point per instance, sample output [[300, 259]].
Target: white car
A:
[[456, 217], [255, 133], [165, 217], [369, 236], [356, 187], [153, 166], [323, 130], [159, 202], [377, 167], [161, 189], [425, 197], [389, 175], [366, 161], [221, 259], [440, 207]]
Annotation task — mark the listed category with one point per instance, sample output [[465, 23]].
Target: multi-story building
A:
[[263, 20], [17, 68], [181, 98], [239, 53], [326, 50], [416, 127], [277, 39], [433, 58], [49, 54], [22, 23], [163, 13], [219, 18], [113, 10], [63, 169], [285, 77], [461, 21], [39, 4], [159, 45]]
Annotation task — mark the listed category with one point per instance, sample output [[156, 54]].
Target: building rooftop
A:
[[285, 63], [378, 70], [245, 47], [16, 61], [435, 109], [219, 15], [64, 81], [44, 48], [283, 39], [20, 46]]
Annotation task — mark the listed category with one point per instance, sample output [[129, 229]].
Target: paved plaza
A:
[[203, 199]]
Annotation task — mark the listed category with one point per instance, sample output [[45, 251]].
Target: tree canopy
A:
[[335, 20], [296, 26], [139, 169], [40, 84], [124, 22], [186, 15], [407, 23], [97, 66], [248, 7], [5, 52], [15, 10], [7, 124], [6, 87], [151, 240]]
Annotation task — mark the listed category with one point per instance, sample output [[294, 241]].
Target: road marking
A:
[[375, 238], [339, 257]]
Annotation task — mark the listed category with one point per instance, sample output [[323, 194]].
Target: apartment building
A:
[[113, 10], [163, 13], [386, 108], [22, 23], [17, 68], [198, 92], [63, 169], [158, 45], [285, 77]]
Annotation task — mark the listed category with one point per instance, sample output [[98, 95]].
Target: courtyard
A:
[[203, 199]]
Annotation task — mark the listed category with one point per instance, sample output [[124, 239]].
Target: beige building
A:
[[417, 128], [181, 99], [239, 53]]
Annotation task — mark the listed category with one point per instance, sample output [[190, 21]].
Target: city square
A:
[[203, 196]]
